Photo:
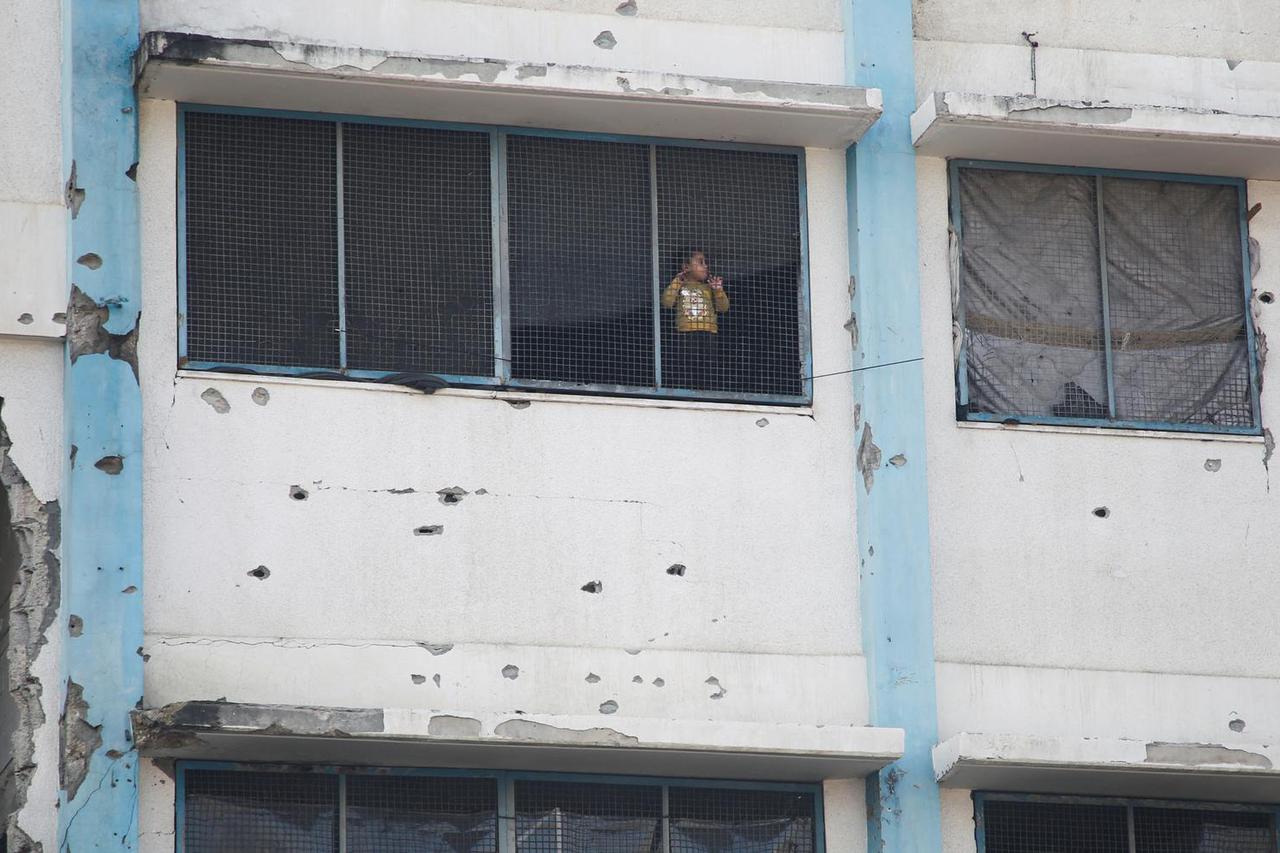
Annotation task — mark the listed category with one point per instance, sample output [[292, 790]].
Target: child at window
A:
[[697, 297]]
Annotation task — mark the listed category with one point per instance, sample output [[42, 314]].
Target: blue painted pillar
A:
[[102, 509], [893, 508]]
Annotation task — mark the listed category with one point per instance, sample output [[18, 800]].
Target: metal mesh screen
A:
[[419, 269], [243, 812], [261, 240], [1167, 830], [580, 261], [1177, 302], [573, 817], [741, 209], [709, 820], [415, 814], [1038, 827], [1032, 294]]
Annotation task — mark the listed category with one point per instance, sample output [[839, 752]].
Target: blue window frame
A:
[[303, 251], [301, 809], [1038, 823], [1105, 298]]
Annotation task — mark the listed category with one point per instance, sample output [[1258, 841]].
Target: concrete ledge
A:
[[1108, 767], [600, 744], [349, 80], [1079, 133]]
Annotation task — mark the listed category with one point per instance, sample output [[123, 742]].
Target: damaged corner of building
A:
[[30, 578]]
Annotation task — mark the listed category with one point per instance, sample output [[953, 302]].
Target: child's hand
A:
[[716, 282]]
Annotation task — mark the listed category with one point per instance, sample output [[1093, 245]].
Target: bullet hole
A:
[[452, 495], [92, 260], [429, 530], [628, 8], [633, 651], [897, 460], [59, 317], [1102, 512], [605, 41], [593, 587], [73, 195], [1213, 465], [418, 679], [26, 319], [261, 396], [592, 678], [482, 491], [129, 590], [763, 422], [720, 691], [132, 172], [871, 550], [1266, 297], [609, 707], [436, 679], [261, 573], [511, 672], [75, 625], [677, 570], [298, 493], [659, 682], [1236, 725], [437, 649], [140, 653], [519, 404], [216, 401], [637, 680], [110, 464]]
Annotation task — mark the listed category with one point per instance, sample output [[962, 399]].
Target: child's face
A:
[[696, 267]]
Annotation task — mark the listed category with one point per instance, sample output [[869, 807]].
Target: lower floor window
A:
[[319, 810], [1010, 823]]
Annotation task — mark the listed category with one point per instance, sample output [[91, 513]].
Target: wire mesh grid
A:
[[419, 267], [1175, 273], [711, 820], [1031, 294], [1169, 830], [1040, 827], [261, 240], [730, 318], [261, 812], [587, 817], [421, 814], [580, 261]]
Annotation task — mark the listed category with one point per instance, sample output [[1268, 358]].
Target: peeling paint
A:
[[605, 41], [627, 8], [216, 401], [447, 726], [188, 718], [261, 396], [452, 495], [714, 683], [868, 458], [851, 326], [535, 732], [437, 649], [92, 260], [416, 678], [78, 741], [609, 707], [1069, 114], [897, 460], [87, 333], [110, 464], [1204, 753]]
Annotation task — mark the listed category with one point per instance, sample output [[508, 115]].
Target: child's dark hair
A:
[[686, 254]]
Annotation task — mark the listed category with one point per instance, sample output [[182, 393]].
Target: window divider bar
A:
[[342, 247], [1106, 299], [656, 262], [500, 253], [506, 814], [1133, 832], [666, 819], [342, 813]]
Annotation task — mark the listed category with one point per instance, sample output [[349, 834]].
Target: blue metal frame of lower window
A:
[[981, 798], [501, 315], [501, 777], [962, 369]]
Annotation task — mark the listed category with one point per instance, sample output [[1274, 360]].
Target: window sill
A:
[[1112, 431], [509, 397]]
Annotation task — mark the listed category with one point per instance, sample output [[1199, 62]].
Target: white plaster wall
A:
[[1156, 622], [844, 815], [725, 39], [1235, 29], [562, 493], [32, 215], [958, 831]]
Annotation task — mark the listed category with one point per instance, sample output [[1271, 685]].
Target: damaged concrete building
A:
[[584, 425]]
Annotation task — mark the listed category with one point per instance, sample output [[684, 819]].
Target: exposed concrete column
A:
[[102, 537], [893, 510]]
